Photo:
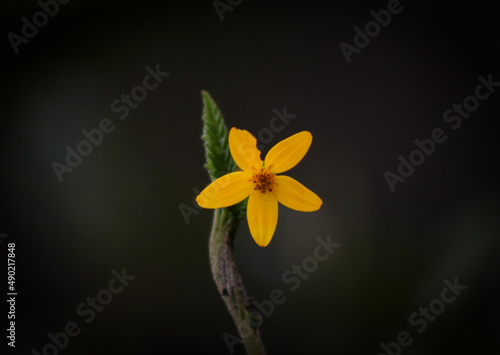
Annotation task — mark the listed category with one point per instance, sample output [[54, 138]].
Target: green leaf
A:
[[219, 161], [215, 135]]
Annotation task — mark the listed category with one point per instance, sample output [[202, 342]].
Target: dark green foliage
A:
[[215, 135], [218, 156]]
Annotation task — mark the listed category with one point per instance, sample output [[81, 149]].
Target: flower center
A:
[[264, 181]]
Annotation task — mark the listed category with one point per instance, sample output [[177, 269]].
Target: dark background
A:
[[120, 206]]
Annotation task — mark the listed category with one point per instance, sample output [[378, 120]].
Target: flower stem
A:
[[228, 279]]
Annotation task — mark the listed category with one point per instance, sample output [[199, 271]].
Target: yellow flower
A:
[[258, 180]]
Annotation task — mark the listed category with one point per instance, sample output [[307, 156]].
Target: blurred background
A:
[[121, 206]]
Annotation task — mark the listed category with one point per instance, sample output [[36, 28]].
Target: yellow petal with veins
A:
[[296, 196], [262, 215], [227, 190], [288, 153], [244, 150]]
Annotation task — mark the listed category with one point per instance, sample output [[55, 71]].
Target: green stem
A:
[[228, 279]]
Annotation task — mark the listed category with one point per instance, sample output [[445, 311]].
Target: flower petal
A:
[[296, 196], [262, 214], [287, 153], [244, 150], [226, 191]]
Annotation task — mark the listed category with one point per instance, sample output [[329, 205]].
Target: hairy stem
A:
[[228, 279]]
